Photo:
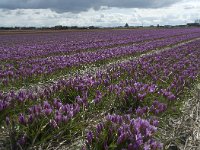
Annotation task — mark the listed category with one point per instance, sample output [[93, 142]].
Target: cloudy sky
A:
[[97, 12]]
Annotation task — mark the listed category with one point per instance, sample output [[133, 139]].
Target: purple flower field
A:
[[43, 105]]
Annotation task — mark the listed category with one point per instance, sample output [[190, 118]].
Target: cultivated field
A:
[[95, 90]]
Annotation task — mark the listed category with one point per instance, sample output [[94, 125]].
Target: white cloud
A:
[[179, 13]]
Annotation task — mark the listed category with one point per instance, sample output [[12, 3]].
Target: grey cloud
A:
[[20, 12], [6, 11], [83, 5], [37, 13], [189, 7], [102, 16]]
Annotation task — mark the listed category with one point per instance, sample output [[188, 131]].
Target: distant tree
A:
[[74, 27], [58, 27], [65, 27], [197, 21], [126, 25], [91, 27]]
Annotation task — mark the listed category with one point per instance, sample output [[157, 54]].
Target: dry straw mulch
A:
[[183, 133]]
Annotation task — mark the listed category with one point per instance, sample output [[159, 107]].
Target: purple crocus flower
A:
[[30, 118], [99, 128], [65, 119], [22, 140], [22, 119], [79, 100], [121, 139], [53, 124], [90, 137], [47, 111]]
